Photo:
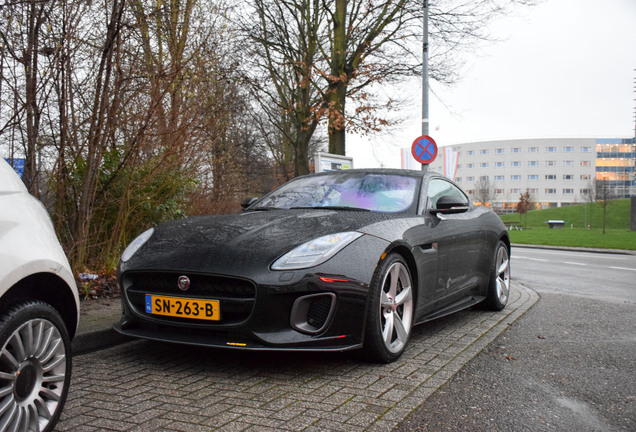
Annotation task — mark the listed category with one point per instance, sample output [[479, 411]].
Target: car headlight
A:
[[134, 246], [315, 251]]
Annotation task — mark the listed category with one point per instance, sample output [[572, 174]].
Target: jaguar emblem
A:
[[183, 283]]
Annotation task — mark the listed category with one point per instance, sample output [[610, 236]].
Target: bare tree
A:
[[604, 195], [525, 203], [589, 195], [25, 41], [285, 38], [485, 192], [137, 106], [317, 54]]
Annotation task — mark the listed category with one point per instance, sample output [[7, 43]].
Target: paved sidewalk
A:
[[153, 386]]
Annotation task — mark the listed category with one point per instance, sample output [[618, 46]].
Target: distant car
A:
[[333, 261], [39, 312]]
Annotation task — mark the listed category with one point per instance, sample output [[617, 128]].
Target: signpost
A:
[[424, 149]]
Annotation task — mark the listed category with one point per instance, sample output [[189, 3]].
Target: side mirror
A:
[[248, 202], [449, 204]]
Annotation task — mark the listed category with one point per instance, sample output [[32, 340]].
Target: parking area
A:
[[142, 385]]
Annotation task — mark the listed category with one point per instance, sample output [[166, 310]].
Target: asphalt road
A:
[[566, 365]]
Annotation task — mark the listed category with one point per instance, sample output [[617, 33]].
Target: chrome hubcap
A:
[[502, 264], [32, 373], [396, 307]]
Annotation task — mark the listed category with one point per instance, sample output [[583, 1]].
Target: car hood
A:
[[237, 242]]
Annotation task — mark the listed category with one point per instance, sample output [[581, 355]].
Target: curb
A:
[[96, 340], [575, 249]]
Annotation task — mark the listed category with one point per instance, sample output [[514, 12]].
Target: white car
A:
[[39, 311]]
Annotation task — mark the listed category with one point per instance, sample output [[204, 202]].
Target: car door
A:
[[458, 239]]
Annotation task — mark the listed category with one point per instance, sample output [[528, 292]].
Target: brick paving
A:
[[149, 386]]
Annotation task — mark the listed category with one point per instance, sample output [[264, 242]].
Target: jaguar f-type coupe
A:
[[335, 261]]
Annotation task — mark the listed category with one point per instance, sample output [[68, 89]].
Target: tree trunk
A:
[[97, 136], [301, 152], [32, 111], [338, 81], [336, 119]]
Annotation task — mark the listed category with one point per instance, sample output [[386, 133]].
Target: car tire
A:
[[35, 367], [499, 281], [390, 311]]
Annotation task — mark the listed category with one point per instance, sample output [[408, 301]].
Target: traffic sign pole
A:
[[425, 78]]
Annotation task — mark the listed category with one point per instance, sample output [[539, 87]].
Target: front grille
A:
[[236, 296], [200, 284]]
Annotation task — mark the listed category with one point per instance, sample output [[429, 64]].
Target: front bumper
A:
[[312, 313]]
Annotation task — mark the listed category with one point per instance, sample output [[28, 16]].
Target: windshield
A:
[[362, 191]]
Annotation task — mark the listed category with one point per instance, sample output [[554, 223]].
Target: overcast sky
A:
[[565, 68]]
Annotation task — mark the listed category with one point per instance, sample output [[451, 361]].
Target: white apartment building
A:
[[555, 171]]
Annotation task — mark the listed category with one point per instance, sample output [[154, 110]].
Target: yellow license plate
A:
[[183, 307]]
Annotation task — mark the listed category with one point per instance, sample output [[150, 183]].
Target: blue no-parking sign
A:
[[17, 165], [424, 149]]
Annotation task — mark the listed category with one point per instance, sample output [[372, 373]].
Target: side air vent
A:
[[311, 314]]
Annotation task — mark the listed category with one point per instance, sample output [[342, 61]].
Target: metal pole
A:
[[425, 78]]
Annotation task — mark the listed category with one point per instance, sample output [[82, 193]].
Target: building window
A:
[[484, 178], [458, 179], [470, 178], [533, 163], [568, 149], [550, 163], [499, 164], [459, 166], [568, 191], [533, 149], [471, 152], [515, 163], [585, 191], [533, 190], [585, 149], [499, 191], [483, 165], [471, 165], [550, 191], [516, 150], [585, 176], [586, 163], [550, 149], [483, 152], [568, 163], [550, 176], [533, 176], [568, 176], [499, 151], [515, 177], [470, 192], [515, 191], [499, 178]]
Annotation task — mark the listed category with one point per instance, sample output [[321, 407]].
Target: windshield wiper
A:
[[331, 208], [264, 208]]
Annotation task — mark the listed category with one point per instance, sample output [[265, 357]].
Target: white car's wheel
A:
[[35, 367]]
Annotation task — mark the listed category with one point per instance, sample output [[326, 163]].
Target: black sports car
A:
[[332, 261]]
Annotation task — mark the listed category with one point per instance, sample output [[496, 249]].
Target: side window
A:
[[438, 188]]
